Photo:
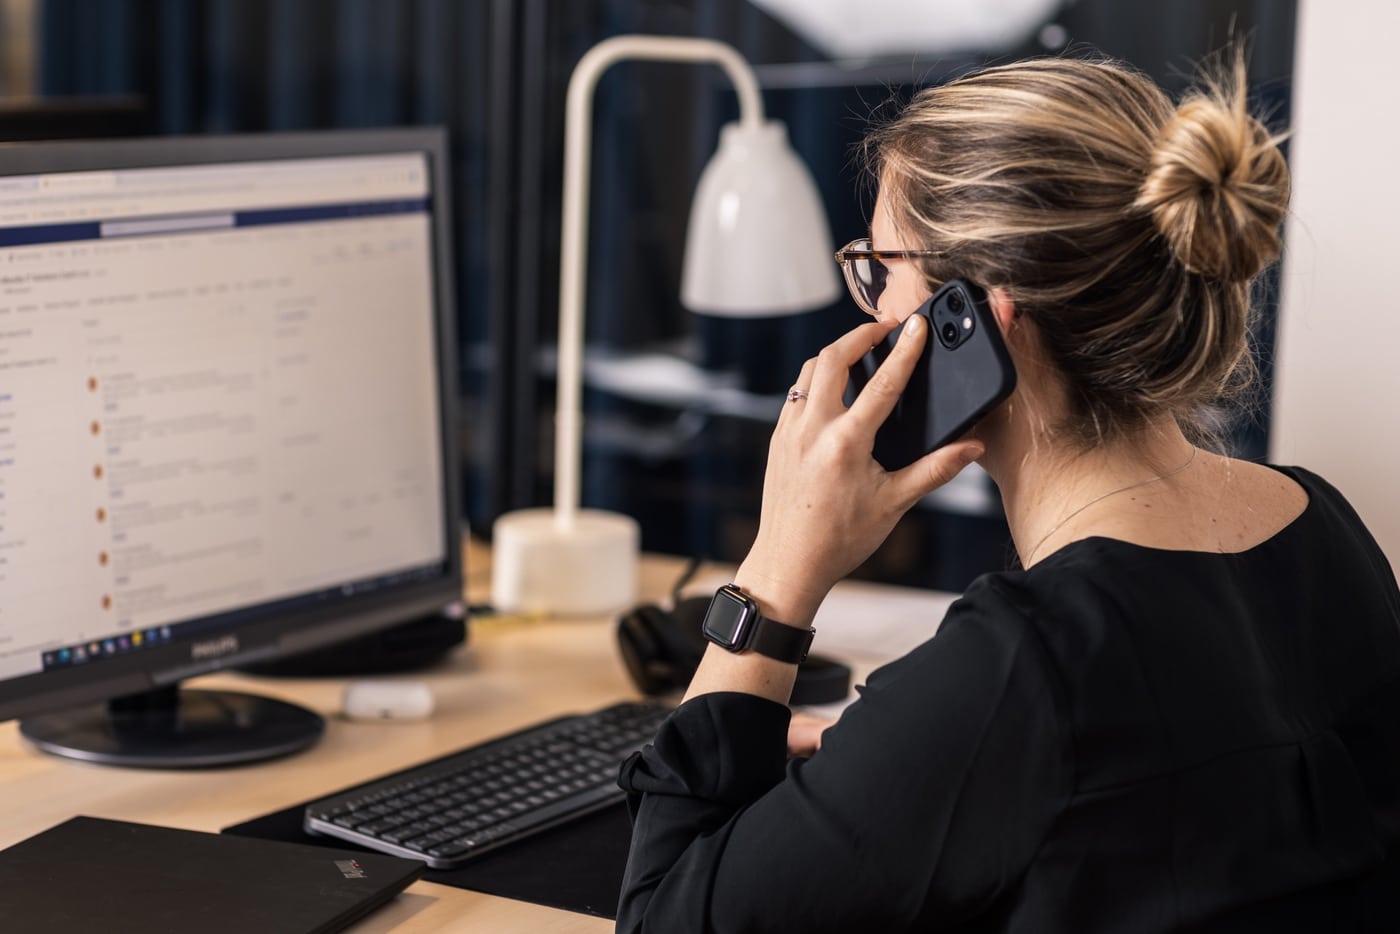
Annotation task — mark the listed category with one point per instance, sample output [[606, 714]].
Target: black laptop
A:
[[88, 874]]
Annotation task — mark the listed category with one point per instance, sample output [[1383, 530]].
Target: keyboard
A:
[[450, 810]]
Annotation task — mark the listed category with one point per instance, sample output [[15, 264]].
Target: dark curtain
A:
[[219, 66]]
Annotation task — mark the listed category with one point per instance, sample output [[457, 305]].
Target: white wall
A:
[[1337, 384]]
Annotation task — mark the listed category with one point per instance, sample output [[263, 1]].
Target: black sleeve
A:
[[926, 802]]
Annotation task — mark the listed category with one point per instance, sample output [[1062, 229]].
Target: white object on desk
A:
[[585, 568], [387, 700]]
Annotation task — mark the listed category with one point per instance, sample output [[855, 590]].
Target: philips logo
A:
[[224, 645], [350, 869]]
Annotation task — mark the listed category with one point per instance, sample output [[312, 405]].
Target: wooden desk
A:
[[509, 675]]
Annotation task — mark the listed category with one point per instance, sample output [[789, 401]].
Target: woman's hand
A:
[[827, 503], [805, 734]]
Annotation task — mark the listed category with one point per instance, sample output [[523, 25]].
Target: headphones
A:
[[662, 648]]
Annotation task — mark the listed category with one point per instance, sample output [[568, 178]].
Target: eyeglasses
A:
[[866, 274]]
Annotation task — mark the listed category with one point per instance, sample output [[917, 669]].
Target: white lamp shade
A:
[[757, 242]]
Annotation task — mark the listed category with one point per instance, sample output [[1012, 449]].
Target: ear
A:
[[1003, 309]]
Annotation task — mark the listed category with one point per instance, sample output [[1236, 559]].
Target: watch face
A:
[[728, 620]]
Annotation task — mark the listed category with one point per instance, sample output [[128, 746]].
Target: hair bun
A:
[[1217, 185]]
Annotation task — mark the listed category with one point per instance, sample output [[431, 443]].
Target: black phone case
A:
[[954, 383]]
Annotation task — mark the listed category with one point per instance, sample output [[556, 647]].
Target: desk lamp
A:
[[757, 244]]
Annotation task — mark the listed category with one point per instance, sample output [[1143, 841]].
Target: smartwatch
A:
[[733, 622]]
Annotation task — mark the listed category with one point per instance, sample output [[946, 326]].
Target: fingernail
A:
[[913, 325]]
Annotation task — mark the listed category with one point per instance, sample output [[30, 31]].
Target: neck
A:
[[1053, 492]]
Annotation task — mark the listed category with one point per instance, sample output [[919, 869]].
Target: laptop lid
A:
[[90, 874]]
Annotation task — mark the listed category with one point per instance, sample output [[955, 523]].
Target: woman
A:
[[1180, 712]]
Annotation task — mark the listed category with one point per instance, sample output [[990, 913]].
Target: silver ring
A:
[[794, 394]]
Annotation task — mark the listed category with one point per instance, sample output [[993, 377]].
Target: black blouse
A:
[[1122, 738]]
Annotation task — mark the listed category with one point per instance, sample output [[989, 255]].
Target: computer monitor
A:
[[226, 426]]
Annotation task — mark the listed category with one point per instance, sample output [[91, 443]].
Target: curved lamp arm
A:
[[574, 247]]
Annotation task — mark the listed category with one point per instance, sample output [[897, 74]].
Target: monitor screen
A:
[[225, 407]]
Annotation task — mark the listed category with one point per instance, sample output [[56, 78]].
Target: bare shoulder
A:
[[1265, 487], [1251, 503], [1222, 505]]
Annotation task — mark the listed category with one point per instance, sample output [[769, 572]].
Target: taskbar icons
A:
[[106, 647]]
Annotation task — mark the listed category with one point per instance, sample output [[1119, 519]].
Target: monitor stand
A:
[[408, 646], [168, 728]]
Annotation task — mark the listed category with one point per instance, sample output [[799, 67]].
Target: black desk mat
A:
[[576, 866]]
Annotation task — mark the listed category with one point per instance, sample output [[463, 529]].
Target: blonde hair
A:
[[1128, 229]]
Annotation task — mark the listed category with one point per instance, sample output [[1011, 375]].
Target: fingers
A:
[[931, 471], [805, 734], [880, 394], [833, 364]]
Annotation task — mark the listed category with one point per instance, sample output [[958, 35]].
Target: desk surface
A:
[[510, 675]]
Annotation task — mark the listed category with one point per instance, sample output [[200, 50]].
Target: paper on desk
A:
[[879, 622]]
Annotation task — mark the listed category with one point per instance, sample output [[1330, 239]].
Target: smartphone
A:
[[963, 374]]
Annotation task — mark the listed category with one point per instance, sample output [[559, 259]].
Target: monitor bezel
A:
[[298, 629]]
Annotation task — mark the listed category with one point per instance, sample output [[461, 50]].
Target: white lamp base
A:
[[587, 570]]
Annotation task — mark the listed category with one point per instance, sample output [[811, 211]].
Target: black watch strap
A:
[[734, 622], [785, 643]]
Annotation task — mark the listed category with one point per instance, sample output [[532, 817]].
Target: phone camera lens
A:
[[955, 302], [950, 333]]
